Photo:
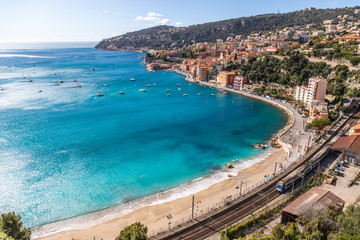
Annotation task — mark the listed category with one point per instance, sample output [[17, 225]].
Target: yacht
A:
[[142, 90], [100, 94], [121, 92], [132, 79]]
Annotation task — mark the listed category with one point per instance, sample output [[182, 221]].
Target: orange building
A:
[[201, 73], [226, 78]]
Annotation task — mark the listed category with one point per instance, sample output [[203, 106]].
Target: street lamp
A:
[[169, 217]]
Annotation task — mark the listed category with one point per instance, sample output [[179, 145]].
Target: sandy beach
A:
[[155, 217]]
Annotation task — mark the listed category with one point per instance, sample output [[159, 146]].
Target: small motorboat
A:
[[178, 84], [30, 80], [78, 85], [168, 94], [106, 85], [199, 94], [148, 85], [142, 90], [74, 80], [167, 90], [61, 81], [212, 94], [40, 91], [121, 92], [132, 79], [154, 84], [100, 94], [184, 95]]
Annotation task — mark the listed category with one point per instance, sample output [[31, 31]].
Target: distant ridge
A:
[[169, 36]]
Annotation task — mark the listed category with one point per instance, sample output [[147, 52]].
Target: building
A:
[[201, 74], [355, 130], [239, 82], [226, 78], [314, 199], [316, 90], [348, 39], [349, 146], [318, 110]]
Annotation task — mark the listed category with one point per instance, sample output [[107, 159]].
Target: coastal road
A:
[[204, 227]]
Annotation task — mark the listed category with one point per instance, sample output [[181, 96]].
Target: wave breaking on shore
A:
[[92, 219]]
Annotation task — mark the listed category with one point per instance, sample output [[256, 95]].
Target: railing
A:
[[231, 199]]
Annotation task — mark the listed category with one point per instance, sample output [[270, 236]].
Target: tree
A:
[[3, 236], [350, 222], [163, 57], [319, 123], [278, 233], [135, 231], [11, 225]]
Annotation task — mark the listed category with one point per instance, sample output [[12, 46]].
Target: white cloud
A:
[[178, 23], [153, 17], [154, 14], [105, 11]]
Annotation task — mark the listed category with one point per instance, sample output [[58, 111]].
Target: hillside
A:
[[169, 36]]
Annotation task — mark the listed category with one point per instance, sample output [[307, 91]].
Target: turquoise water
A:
[[66, 151]]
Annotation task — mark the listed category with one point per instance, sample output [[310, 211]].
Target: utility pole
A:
[[275, 168], [240, 188], [225, 232], [192, 208]]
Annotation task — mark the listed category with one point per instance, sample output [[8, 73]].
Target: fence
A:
[[172, 225]]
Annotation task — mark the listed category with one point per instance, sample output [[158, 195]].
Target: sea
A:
[[66, 152]]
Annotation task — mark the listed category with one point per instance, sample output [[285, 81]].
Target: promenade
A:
[[294, 140]]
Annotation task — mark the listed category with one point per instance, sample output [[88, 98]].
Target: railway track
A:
[[207, 226]]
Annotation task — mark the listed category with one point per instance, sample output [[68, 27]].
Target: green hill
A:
[[169, 36]]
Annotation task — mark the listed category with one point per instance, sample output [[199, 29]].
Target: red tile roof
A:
[[352, 142], [314, 196]]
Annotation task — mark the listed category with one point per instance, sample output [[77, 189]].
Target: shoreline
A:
[[108, 224]]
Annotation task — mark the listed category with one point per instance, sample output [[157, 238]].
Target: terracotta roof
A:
[[314, 196], [346, 142], [357, 126]]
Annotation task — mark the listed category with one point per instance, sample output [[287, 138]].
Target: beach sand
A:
[[155, 217]]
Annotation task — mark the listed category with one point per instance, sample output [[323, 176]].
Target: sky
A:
[[94, 20]]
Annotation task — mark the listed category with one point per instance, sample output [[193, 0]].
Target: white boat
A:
[[179, 89], [132, 79], [142, 90], [149, 85], [184, 95], [167, 90], [100, 94], [121, 92], [199, 94]]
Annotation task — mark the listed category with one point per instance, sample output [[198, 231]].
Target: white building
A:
[[316, 90]]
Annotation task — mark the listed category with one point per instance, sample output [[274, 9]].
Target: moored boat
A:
[[132, 79], [142, 90], [100, 94], [121, 92]]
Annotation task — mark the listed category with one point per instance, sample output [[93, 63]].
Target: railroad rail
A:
[[216, 220]]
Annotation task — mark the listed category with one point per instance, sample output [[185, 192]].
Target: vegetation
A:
[[135, 231], [168, 36], [11, 227], [318, 123], [293, 70]]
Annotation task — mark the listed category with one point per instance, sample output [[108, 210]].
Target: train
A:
[[287, 182]]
